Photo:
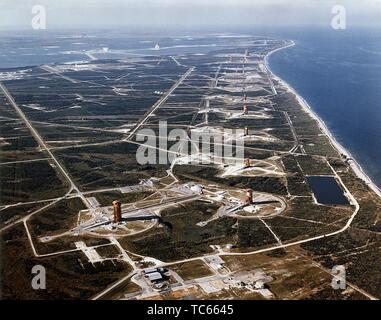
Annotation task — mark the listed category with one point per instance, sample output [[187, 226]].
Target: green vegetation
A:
[[358, 251], [296, 181], [69, 276], [107, 166], [191, 270], [23, 182], [313, 165], [59, 217], [253, 234], [181, 238]]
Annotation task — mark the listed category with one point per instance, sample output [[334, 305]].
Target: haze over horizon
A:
[[187, 13]]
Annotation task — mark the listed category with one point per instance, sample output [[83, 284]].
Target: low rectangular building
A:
[[154, 276]]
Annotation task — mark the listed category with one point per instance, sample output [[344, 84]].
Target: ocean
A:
[[339, 74]]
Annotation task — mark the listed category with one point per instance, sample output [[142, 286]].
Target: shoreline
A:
[[356, 167]]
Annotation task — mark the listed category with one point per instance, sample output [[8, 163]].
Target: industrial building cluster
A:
[[157, 278]]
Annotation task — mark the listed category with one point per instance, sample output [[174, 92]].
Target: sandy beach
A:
[[353, 163]]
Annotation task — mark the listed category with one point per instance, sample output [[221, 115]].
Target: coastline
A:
[[356, 167]]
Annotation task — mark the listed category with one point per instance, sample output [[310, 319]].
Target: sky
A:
[[187, 13]]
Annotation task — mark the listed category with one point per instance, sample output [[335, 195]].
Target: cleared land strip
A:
[[42, 143], [56, 72], [272, 232], [23, 161], [159, 103]]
